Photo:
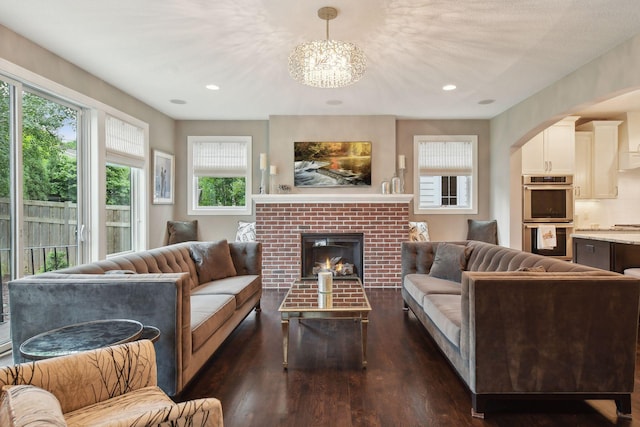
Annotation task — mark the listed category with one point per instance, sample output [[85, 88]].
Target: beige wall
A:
[[614, 73], [21, 53], [448, 227], [380, 130], [216, 227]]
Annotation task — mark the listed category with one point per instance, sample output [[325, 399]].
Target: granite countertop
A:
[[630, 237]]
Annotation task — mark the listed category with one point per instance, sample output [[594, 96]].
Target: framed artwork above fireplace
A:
[[332, 163]]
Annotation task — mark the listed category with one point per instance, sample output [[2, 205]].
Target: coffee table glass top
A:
[[80, 337], [347, 295]]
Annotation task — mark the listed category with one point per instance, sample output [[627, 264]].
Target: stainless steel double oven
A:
[[548, 200]]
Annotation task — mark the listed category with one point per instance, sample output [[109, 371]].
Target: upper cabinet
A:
[[582, 175], [596, 174], [629, 141], [552, 151]]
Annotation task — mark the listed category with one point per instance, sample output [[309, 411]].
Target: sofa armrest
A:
[[550, 332], [89, 377], [247, 257], [39, 304], [200, 412]]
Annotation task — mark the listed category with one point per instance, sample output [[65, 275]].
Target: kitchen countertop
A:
[[622, 236]]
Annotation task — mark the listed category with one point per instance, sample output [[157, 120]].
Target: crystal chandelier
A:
[[327, 63]]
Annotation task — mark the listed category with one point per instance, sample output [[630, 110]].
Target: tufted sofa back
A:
[[171, 259], [417, 257], [488, 257]]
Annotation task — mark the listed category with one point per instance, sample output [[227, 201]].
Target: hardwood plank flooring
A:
[[407, 381]]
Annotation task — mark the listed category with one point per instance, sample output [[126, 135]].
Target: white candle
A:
[[274, 170], [401, 162], [263, 161], [325, 281]]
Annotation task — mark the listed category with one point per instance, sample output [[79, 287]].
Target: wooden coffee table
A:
[[347, 301]]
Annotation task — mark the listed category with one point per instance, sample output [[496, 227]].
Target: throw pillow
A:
[[26, 405], [418, 231], [213, 260], [450, 261], [182, 231], [483, 231], [539, 268], [246, 232]]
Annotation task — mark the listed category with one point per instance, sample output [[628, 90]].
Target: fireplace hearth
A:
[[340, 253]]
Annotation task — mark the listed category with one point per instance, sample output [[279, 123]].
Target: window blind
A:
[[124, 143], [220, 158], [448, 158]]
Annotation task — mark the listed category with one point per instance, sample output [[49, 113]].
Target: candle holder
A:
[[263, 181], [401, 172], [263, 173], [273, 172]]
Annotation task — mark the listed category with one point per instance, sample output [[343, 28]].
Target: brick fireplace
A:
[[281, 219]]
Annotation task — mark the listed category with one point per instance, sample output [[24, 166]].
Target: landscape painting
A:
[[332, 163]]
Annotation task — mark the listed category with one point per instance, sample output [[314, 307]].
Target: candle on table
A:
[[325, 281]]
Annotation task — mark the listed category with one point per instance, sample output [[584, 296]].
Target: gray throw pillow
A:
[[213, 260], [450, 261], [182, 231]]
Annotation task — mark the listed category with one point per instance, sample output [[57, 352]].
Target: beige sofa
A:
[[195, 305], [568, 331], [114, 386]]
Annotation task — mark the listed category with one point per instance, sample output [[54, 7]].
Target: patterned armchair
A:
[[113, 386]]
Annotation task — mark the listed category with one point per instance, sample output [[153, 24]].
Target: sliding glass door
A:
[[40, 218], [50, 183]]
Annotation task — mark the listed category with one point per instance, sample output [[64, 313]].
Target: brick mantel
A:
[[331, 198], [282, 218]]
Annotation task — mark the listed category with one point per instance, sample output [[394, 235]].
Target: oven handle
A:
[[556, 224], [548, 187]]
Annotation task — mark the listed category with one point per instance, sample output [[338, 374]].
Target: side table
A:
[[85, 336]]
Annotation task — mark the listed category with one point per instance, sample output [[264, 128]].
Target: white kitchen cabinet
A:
[[629, 141], [601, 159], [582, 175], [552, 151]]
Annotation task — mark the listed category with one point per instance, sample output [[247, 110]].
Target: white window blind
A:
[[124, 143], [445, 158], [220, 158]]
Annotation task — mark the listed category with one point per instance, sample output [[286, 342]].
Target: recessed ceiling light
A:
[[212, 87], [334, 102], [178, 101], [486, 101], [448, 87]]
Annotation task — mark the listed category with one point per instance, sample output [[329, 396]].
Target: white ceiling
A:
[[504, 50]]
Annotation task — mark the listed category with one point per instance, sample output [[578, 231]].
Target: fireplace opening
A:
[[340, 253]]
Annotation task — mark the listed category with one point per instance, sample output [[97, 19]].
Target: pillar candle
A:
[[325, 281], [401, 162], [274, 170], [263, 161]]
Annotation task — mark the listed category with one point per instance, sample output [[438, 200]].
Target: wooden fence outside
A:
[[50, 231]]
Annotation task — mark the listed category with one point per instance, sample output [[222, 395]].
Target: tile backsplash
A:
[[605, 213]]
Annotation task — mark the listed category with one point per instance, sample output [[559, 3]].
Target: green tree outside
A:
[[215, 191]]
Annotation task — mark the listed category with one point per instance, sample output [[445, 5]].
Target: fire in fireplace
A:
[[340, 253]]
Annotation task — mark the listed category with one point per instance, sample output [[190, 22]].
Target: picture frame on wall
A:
[[163, 177], [332, 163]]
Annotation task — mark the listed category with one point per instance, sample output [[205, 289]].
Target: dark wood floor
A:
[[407, 381]]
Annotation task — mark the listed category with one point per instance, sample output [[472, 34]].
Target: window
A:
[[446, 174], [219, 168], [125, 145]]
